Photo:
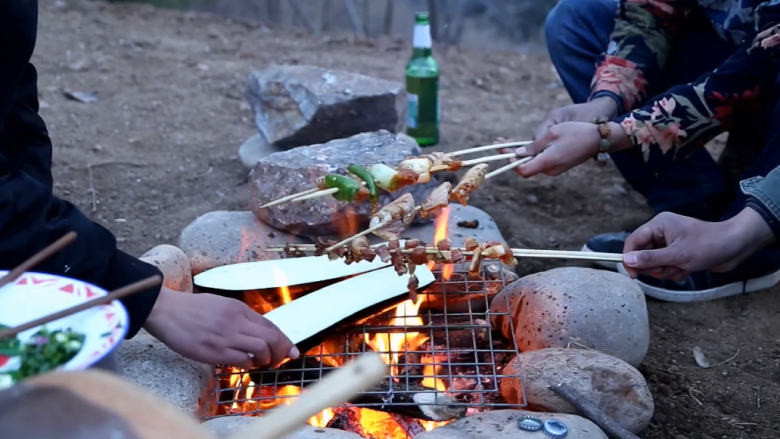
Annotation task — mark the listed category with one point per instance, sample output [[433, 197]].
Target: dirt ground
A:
[[159, 147]]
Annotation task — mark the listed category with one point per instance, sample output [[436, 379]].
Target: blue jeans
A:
[[577, 33]]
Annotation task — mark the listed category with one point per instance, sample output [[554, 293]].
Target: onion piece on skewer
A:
[[421, 166]]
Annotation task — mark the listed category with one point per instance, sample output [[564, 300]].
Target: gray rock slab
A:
[[306, 105], [285, 173], [487, 230]]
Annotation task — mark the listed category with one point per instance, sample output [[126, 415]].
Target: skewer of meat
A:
[[443, 252], [388, 221], [470, 182], [412, 170]]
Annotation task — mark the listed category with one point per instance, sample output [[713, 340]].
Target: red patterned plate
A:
[[35, 295]]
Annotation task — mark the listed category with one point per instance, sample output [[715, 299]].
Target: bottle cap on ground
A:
[[529, 423], [555, 429]]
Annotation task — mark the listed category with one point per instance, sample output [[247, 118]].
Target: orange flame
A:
[[284, 290], [391, 345], [430, 370], [442, 220]]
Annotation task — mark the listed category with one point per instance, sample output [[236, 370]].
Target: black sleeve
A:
[[31, 217]]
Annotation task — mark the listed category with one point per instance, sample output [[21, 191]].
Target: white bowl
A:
[[35, 295]]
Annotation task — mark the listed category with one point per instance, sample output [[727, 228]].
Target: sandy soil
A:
[[159, 148]]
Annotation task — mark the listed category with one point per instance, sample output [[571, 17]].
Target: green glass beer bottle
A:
[[422, 86]]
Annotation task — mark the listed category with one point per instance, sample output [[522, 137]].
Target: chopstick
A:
[[37, 258], [120, 293], [336, 388], [489, 147]]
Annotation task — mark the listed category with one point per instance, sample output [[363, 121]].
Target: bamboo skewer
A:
[[326, 192], [290, 197], [120, 293], [38, 258], [488, 148], [365, 232], [490, 158], [508, 167], [337, 387], [517, 252], [307, 194]]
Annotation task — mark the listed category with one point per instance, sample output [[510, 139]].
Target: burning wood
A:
[[413, 400]]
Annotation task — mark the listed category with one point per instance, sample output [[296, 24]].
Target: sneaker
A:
[[758, 272], [607, 243]]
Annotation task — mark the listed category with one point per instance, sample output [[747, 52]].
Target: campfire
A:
[[445, 360]]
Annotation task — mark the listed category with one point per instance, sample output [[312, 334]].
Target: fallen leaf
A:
[[701, 360], [86, 97]]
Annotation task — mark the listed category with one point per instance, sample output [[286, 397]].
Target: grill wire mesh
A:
[[461, 352]]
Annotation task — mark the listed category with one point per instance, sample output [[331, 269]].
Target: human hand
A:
[[603, 107], [217, 330], [672, 246], [565, 146]]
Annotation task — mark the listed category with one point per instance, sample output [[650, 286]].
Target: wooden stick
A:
[[590, 411], [488, 148], [339, 386], [490, 158], [364, 233], [290, 197], [38, 258], [317, 194], [508, 167], [518, 252], [120, 293]]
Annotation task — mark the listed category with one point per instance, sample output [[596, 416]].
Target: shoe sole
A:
[[733, 289], [608, 265]]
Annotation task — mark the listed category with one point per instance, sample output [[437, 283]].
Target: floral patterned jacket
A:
[[688, 115]]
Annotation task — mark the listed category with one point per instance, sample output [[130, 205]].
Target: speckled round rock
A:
[[221, 238], [174, 265], [575, 307], [187, 384], [614, 386], [225, 427], [502, 424]]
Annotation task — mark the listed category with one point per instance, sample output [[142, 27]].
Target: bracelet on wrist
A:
[[601, 157]]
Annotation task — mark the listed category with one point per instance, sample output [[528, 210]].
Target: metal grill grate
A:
[[458, 350]]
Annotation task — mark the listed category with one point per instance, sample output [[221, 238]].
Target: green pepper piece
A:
[[362, 172], [348, 188]]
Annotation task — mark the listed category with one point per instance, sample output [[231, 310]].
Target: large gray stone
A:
[[293, 171], [306, 105], [222, 238], [225, 427], [615, 387], [575, 307], [147, 362], [502, 424], [487, 230]]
